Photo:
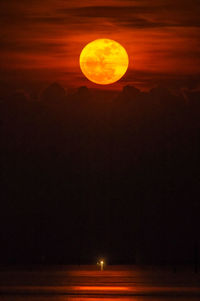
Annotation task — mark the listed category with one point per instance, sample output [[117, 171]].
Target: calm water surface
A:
[[84, 283]]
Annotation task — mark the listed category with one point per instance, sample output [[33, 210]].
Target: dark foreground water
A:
[[87, 283]]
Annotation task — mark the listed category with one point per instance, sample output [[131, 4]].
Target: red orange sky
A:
[[42, 40]]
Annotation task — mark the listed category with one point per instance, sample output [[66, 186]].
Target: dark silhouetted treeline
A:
[[84, 176]]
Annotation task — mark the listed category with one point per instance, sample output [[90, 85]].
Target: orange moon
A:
[[104, 61]]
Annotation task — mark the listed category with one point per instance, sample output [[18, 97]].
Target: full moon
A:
[[104, 61]]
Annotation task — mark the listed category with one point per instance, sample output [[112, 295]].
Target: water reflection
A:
[[88, 284], [85, 298]]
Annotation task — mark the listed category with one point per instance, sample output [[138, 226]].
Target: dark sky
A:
[[43, 40]]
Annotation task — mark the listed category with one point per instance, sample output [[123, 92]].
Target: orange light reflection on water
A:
[[102, 288]]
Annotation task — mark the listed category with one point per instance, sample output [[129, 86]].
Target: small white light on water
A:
[[101, 263]]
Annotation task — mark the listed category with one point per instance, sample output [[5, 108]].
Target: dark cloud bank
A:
[[84, 176]]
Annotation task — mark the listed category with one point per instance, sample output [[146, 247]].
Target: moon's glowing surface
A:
[[104, 61]]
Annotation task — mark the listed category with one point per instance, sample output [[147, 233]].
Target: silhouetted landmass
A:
[[84, 176], [53, 94]]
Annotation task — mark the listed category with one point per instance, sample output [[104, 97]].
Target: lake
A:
[[127, 283]]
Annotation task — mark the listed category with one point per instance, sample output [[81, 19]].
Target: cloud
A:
[[135, 14], [141, 16]]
